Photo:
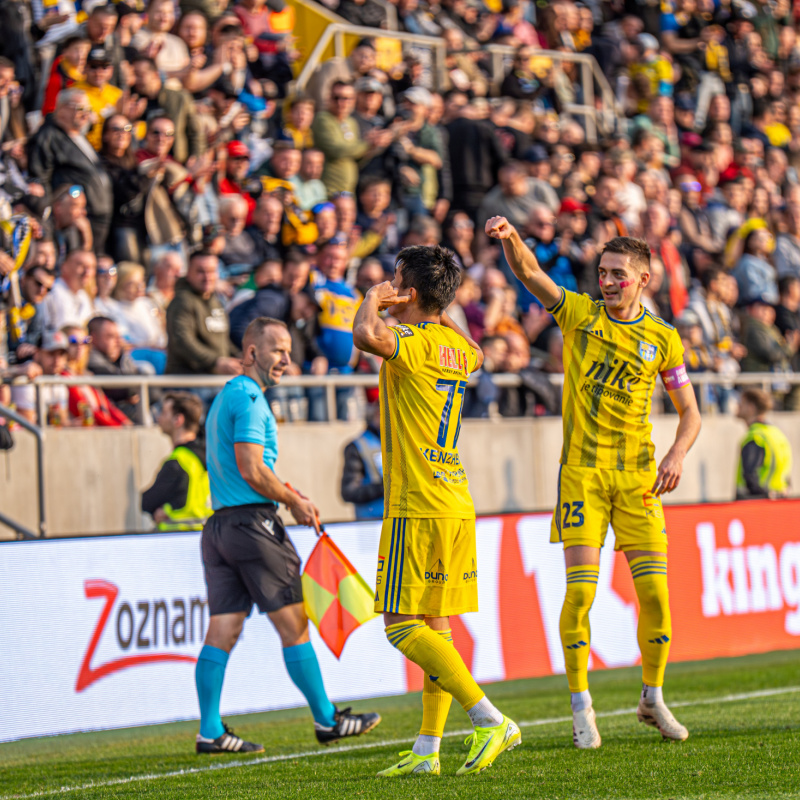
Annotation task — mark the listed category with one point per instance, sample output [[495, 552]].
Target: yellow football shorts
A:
[[427, 566], [589, 499]]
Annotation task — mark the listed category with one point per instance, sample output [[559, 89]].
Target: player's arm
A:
[[682, 395], [447, 322], [370, 333], [523, 262], [250, 462]]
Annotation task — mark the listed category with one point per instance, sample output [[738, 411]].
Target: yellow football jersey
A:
[[610, 371], [422, 393]]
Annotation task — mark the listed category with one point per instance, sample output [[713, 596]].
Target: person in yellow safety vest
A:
[[765, 464], [180, 497]]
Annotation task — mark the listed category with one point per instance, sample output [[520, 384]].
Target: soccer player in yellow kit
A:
[[614, 351], [427, 561]]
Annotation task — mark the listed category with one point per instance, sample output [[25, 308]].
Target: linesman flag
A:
[[336, 597]]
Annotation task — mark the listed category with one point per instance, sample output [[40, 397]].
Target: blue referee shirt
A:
[[239, 413]]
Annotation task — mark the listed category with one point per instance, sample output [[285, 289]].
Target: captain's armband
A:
[[675, 378]]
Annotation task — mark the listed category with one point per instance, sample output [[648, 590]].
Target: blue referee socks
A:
[[209, 675], [303, 668]]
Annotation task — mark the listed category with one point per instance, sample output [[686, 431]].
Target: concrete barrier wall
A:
[[93, 476]]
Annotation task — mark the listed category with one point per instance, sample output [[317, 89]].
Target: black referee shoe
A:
[[347, 724], [229, 742]]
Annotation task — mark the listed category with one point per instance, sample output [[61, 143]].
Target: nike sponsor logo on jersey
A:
[[616, 375]]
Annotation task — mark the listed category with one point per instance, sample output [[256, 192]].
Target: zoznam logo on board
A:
[[145, 627]]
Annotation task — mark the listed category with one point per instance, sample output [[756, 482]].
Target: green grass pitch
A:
[[743, 715]]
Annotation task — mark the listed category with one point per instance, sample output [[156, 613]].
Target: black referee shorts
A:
[[248, 558]]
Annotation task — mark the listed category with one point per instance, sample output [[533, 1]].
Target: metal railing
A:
[[19, 529], [330, 383], [604, 120]]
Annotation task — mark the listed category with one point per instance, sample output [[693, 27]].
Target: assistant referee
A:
[[247, 556]]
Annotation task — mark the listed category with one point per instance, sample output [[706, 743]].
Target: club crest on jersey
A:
[[404, 331], [647, 351]]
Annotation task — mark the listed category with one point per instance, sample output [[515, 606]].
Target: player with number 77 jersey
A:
[[427, 563]]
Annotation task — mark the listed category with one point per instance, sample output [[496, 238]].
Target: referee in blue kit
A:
[[247, 556]]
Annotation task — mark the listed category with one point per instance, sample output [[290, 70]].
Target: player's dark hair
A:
[[257, 327], [636, 249], [190, 406], [758, 398], [433, 272]]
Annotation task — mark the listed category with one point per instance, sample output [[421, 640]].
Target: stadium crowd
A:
[[175, 186]]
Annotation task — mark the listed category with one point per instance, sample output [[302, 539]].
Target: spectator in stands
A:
[[360, 63], [309, 190], [88, 405], [237, 165], [68, 302], [180, 498], [59, 153], [154, 40], [515, 196], [754, 274], [104, 98], [51, 359], [364, 13], [265, 230], [337, 135], [25, 336], [767, 350], [362, 476], [338, 303], [765, 462], [269, 299], [161, 289], [109, 357], [787, 245], [176, 104], [100, 28], [197, 326], [71, 228], [138, 318], [105, 304], [298, 126], [67, 70], [240, 254]]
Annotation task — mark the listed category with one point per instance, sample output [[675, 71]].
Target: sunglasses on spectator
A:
[[81, 109], [112, 271], [123, 129], [99, 65], [690, 186], [341, 98], [166, 134], [40, 285], [76, 340]]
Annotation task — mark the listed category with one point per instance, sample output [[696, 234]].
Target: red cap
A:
[[237, 149], [570, 205], [729, 174], [690, 139]]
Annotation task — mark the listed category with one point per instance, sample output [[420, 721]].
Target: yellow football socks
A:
[[574, 624], [435, 700], [437, 657], [655, 623]]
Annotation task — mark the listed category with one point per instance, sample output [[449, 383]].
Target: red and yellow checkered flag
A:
[[337, 599]]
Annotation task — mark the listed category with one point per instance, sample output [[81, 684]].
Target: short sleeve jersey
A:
[[610, 371], [239, 413], [422, 393]]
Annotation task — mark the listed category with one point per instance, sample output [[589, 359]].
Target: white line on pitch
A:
[[251, 762]]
